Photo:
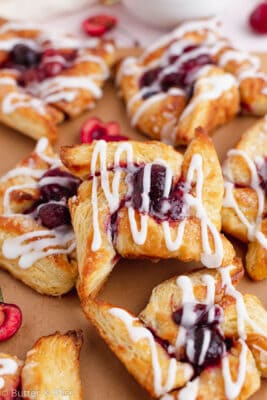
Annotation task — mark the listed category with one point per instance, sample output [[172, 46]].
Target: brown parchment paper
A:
[[130, 284]]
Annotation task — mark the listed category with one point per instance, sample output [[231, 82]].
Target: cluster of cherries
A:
[[36, 66], [218, 343], [161, 208], [183, 77], [51, 209]]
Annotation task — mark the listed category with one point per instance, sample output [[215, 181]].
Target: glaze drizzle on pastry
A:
[[139, 235], [50, 210], [254, 166], [204, 319]]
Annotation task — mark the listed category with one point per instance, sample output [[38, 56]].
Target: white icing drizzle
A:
[[253, 228], [33, 246], [64, 88], [189, 315], [263, 355], [233, 388], [215, 85], [243, 318], [8, 366], [97, 60], [139, 236], [18, 26], [145, 105], [200, 25], [15, 100], [8, 44], [238, 56], [138, 333]]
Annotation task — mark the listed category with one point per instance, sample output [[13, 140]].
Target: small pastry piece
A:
[[36, 238], [10, 370], [45, 77], [52, 370], [145, 200], [244, 207], [199, 320], [192, 77]]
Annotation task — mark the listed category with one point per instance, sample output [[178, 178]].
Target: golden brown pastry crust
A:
[[53, 274], [52, 368], [194, 57], [170, 116], [10, 370], [36, 109], [127, 336], [94, 266], [137, 356], [244, 216]]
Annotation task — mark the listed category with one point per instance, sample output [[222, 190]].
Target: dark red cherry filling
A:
[[36, 66], [205, 327], [10, 320], [160, 207], [46, 209], [184, 77], [24, 55], [57, 191]]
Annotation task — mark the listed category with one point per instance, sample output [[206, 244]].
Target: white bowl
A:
[[167, 13]]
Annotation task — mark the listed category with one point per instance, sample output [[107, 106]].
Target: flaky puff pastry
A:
[[174, 86], [62, 78], [42, 258], [52, 370], [10, 370], [191, 77], [110, 220], [206, 303], [244, 210]]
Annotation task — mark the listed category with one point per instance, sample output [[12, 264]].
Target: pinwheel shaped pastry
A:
[[244, 207], [36, 238], [189, 78], [45, 77], [198, 337], [52, 369], [10, 370], [145, 200]]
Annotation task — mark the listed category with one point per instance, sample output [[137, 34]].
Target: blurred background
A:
[[140, 21]]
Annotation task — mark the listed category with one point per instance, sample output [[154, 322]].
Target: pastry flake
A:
[[45, 77], [244, 209], [51, 370], [199, 320], [145, 200], [10, 370], [191, 77], [36, 238]]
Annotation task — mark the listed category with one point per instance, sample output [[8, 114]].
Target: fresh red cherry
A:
[[99, 24], [10, 320], [258, 18], [94, 129]]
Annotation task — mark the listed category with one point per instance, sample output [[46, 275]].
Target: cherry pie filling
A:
[[205, 344], [161, 208], [158, 79], [262, 174], [51, 209], [35, 66]]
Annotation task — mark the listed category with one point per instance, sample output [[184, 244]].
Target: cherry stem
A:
[[1, 296]]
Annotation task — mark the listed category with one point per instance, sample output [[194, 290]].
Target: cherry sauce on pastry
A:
[[56, 187]]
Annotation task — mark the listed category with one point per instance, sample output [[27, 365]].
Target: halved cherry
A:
[[94, 129], [99, 24], [258, 18], [10, 320]]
